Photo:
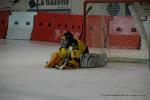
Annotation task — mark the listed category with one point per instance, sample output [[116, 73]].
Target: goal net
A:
[[120, 28]]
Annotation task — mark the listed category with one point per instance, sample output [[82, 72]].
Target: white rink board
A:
[[20, 25]]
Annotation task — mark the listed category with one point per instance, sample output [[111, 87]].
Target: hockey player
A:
[[68, 55]]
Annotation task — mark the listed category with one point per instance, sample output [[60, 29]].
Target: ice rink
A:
[[23, 76]]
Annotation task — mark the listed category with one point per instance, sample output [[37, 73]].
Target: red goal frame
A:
[[101, 1]]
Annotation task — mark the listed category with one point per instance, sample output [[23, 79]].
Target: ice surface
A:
[[23, 76]]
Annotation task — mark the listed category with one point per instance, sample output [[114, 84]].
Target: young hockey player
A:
[[68, 55]]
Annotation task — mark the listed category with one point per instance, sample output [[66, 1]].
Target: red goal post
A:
[[125, 55], [102, 1]]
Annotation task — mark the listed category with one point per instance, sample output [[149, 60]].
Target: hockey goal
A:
[[116, 27]]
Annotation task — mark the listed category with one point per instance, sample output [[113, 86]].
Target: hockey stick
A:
[[62, 66]]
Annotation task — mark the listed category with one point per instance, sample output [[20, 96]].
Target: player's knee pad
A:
[[55, 59]]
